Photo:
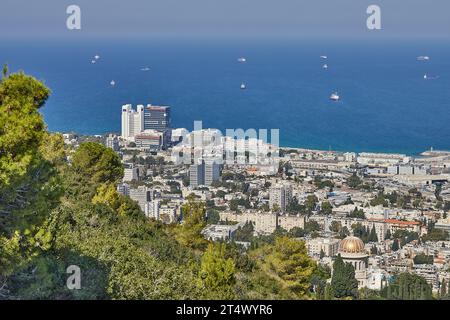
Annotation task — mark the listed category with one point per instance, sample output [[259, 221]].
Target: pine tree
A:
[[322, 254], [395, 245], [402, 242], [373, 235], [365, 237], [388, 234], [407, 286], [328, 295], [443, 291], [343, 281], [389, 293], [217, 273]]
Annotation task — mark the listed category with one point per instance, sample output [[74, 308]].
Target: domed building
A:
[[352, 251]]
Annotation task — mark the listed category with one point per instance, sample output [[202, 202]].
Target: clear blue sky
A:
[[224, 18]]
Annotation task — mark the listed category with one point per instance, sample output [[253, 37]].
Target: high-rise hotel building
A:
[[145, 118], [132, 121], [157, 118]]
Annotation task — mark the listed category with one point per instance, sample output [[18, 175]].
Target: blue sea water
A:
[[386, 104]]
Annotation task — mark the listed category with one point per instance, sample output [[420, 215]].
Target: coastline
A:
[[424, 154]]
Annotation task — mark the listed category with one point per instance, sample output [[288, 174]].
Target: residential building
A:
[[204, 173], [142, 195], [212, 172], [123, 189], [130, 173], [112, 142], [197, 175], [328, 246], [280, 196]]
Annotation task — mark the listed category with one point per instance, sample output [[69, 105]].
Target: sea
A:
[[386, 104]]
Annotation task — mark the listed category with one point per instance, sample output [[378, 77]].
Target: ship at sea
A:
[[243, 86], [423, 58], [335, 97]]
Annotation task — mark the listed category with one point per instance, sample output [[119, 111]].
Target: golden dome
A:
[[351, 245]]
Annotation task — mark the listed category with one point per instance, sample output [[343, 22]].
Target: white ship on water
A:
[[335, 96], [243, 86], [428, 77], [325, 66], [242, 60], [423, 58], [324, 57], [112, 83]]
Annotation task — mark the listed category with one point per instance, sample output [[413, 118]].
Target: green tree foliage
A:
[[335, 226], [244, 233], [29, 184], [357, 213], [407, 286], [344, 232], [443, 289], [405, 236], [343, 281], [388, 234], [321, 184], [373, 235], [446, 207], [235, 203], [354, 181], [311, 226], [368, 294], [194, 221], [326, 208], [395, 245], [5, 71], [319, 281], [213, 216], [311, 203], [124, 206], [294, 207], [217, 273], [422, 258], [379, 200], [287, 262], [98, 163], [436, 235], [297, 232], [361, 232]]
